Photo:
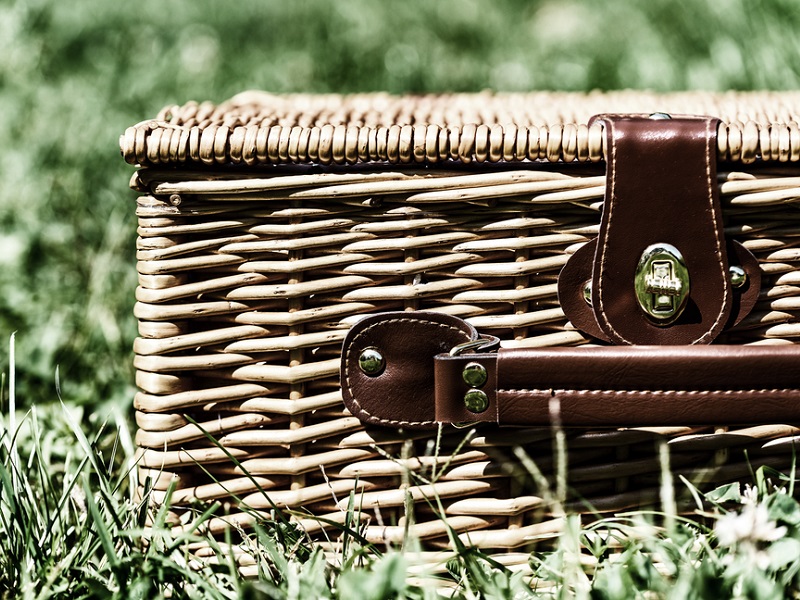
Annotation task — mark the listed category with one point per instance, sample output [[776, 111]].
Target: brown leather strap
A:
[[661, 192], [661, 188], [422, 384], [630, 386]]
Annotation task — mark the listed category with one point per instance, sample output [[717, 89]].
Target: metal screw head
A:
[[474, 374], [738, 276], [587, 292], [371, 361], [476, 401]]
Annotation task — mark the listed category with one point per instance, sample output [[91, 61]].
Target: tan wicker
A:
[[254, 261]]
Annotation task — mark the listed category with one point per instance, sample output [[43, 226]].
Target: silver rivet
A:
[[371, 361], [476, 401], [738, 276], [474, 374], [660, 116], [587, 292]]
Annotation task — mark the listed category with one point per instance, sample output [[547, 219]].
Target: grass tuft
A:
[[72, 525]]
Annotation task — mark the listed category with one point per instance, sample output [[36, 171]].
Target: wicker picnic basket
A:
[[270, 225]]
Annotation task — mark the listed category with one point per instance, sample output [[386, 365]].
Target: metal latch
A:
[[662, 283]]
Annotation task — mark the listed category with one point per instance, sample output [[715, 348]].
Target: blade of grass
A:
[[103, 533], [12, 406]]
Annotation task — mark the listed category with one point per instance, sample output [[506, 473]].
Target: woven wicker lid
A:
[[257, 128]]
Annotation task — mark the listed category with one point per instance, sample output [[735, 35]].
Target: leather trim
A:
[[571, 281], [451, 388], [649, 385], [402, 395], [619, 386], [578, 271], [662, 187], [647, 368], [745, 297], [633, 408]]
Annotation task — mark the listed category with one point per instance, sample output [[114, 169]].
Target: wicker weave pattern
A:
[[256, 128], [249, 281]]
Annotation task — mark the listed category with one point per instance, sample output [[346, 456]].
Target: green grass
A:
[[72, 525], [75, 523], [74, 74]]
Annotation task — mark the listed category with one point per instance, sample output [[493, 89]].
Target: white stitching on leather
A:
[[551, 391], [609, 208], [610, 211], [725, 280], [361, 411]]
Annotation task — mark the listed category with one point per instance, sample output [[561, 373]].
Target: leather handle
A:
[[629, 385], [421, 384]]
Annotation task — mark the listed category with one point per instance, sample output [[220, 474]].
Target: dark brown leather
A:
[[578, 271], [451, 388], [649, 385], [745, 297], [402, 395], [571, 282], [662, 180], [422, 386], [628, 386], [661, 188]]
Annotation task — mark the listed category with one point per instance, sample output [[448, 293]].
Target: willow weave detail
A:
[[259, 128]]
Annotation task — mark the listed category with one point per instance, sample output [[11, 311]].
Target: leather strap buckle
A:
[[484, 343]]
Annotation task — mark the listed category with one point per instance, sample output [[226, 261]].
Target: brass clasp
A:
[[662, 283]]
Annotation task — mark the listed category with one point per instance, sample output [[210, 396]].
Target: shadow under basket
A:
[[270, 225]]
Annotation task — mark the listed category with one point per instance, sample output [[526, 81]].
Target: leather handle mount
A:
[[398, 371], [661, 281]]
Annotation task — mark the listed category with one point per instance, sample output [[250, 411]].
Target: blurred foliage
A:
[[74, 74]]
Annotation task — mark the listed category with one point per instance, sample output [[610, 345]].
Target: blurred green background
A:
[[74, 75]]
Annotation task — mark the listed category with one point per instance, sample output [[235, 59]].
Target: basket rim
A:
[[259, 128]]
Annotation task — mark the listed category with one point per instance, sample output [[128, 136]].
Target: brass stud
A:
[[476, 401], [371, 362], [474, 374], [587, 292], [738, 276]]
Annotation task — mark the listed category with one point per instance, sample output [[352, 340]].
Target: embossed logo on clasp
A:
[[662, 283]]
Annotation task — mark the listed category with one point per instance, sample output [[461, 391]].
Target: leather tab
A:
[[451, 388], [578, 271], [402, 393], [661, 188]]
